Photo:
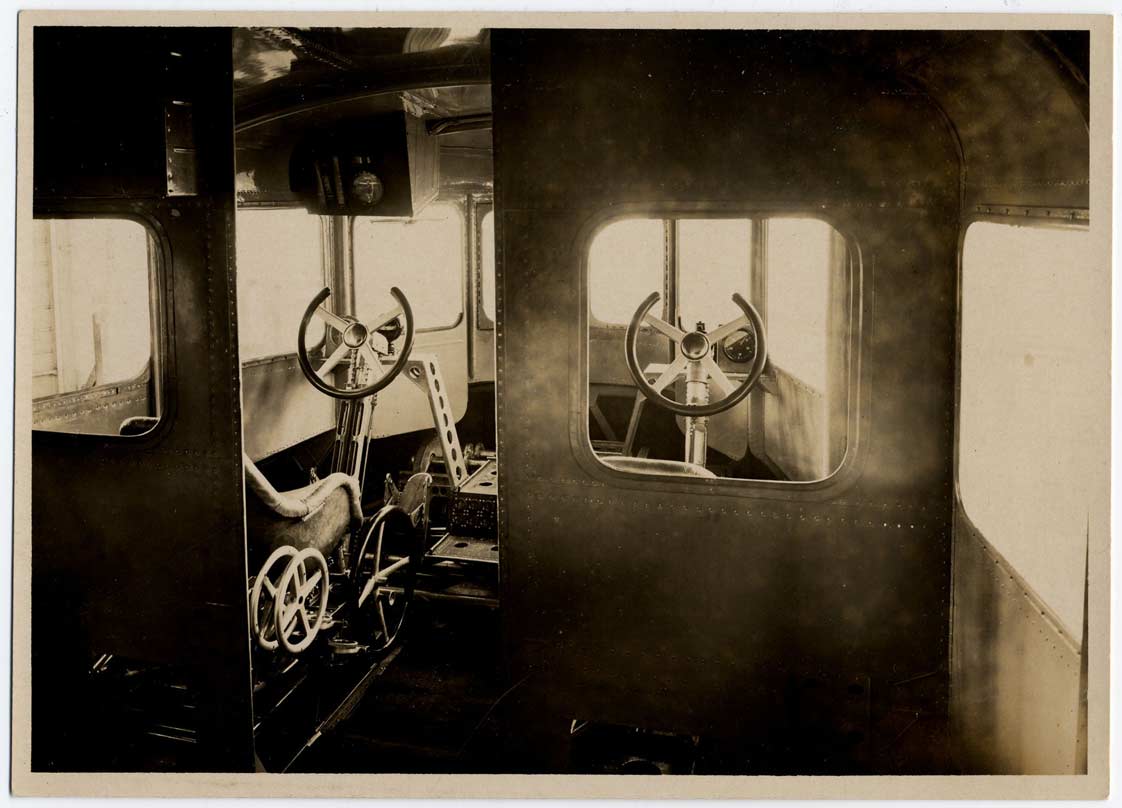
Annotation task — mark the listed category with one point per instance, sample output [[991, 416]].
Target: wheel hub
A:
[[355, 335], [695, 345]]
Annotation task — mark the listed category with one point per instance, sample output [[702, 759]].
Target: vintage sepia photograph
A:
[[714, 398]]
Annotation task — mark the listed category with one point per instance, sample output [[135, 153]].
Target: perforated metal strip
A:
[[424, 371]]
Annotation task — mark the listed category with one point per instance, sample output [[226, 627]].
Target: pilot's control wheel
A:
[[351, 346], [384, 574], [695, 359], [302, 600]]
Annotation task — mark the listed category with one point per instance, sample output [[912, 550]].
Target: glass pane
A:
[[1034, 376], [799, 264], [92, 324], [714, 258], [625, 264], [487, 264], [424, 257], [280, 270]]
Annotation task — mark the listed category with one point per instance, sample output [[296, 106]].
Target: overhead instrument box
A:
[[382, 166]]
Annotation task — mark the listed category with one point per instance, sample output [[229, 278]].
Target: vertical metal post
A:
[[697, 427], [342, 248]]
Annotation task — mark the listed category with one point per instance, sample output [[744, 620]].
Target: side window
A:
[[280, 270], [93, 365], [1031, 385], [794, 425], [424, 257]]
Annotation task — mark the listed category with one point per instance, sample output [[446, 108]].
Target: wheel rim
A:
[[302, 600], [384, 575]]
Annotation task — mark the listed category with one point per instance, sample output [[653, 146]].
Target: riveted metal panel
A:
[[1016, 685], [688, 604], [138, 544]]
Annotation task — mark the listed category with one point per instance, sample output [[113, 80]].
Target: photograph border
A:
[[27, 783]]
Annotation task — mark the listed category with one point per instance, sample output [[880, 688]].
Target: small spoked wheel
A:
[[384, 573], [302, 600], [263, 596]]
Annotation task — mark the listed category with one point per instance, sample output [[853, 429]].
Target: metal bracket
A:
[[424, 371], [179, 140]]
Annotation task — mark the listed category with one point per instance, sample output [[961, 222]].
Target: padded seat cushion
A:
[[317, 515], [300, 503], [322, 530]]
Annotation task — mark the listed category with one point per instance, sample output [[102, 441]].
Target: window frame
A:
[[858, 393], [459, 204], [479, 206], [160, 371]]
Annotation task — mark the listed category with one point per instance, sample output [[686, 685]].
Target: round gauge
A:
[[367, 188], [740, 346]]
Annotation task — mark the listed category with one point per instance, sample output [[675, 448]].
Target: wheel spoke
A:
[[333, 320], [382, 619], [332, 361], [310, 584], [716, 374], [384, 317], [289, 622], [269, 586], [304, 619], [372, 360], [383, 575], [268, 625], [367, 588], [664, 327], [672, 372], [728, 329]]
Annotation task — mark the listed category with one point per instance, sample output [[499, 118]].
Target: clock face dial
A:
[[367, 188], [740, 347]]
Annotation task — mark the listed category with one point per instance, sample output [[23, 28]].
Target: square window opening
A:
[[96, 310], [736, 359], [423, 256], [1031, 385]]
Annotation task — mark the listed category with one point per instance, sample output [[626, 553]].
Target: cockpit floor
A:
[[426, 713], [437, 709]]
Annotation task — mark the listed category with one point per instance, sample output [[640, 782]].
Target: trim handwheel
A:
[[302, 600], [263, 596], [384, 574]]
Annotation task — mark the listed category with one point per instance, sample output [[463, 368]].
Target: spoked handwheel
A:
[[263, 596], [384, 574], [695, 360], [351, 347], [302, 600]]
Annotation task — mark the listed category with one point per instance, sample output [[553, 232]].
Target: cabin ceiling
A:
[[264, 55], [1016, 101]]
